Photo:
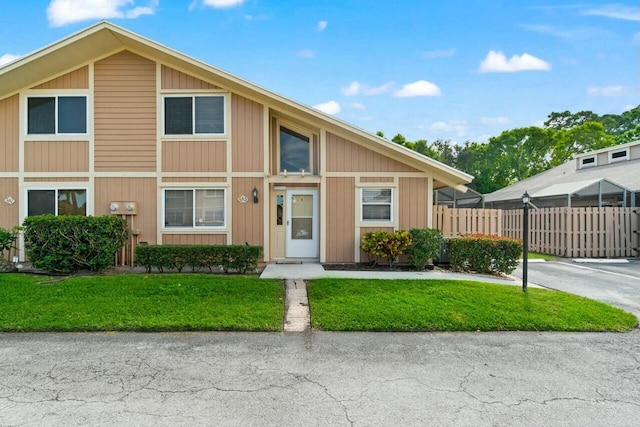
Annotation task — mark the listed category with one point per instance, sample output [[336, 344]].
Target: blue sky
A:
[[429, 69]]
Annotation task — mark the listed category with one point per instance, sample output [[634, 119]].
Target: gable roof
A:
[[566, 179], [105, 38]]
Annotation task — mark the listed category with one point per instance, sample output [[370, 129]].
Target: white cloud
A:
[[356, 106], [306, 53], [322, 25], [419, 88], [222, 4], [492, 121], [457, 126], [329, 107], [496, 62], [443, 53], [357, 88], [7, 57], [616, 11], [63, 12], [607, 91]]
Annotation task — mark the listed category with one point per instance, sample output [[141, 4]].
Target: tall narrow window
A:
[[295, 151]]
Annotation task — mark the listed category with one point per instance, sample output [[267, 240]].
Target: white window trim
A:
[[393, 204], [193, 226], [588, 165], [193, 95], [619, 159], [302, 131], [88, 206], [61, 136]]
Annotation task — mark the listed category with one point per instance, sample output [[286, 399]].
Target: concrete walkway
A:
[[296, 317]]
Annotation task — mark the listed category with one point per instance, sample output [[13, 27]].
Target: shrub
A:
[[425, 246], [68, 243], [484, 253], [240, 258], [8, 240], [382, 244]]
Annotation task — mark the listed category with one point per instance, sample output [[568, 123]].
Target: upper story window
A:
[[619, 155], [55, 115], [194, 115], [377, 204], [295, 151], [57, 202]]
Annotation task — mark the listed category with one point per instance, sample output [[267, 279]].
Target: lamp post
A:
[[525, 240]]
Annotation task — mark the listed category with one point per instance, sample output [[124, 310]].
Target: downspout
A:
[[600, 194]]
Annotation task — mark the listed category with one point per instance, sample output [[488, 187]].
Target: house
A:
[[455, 198], [606, 177], [106, 121]]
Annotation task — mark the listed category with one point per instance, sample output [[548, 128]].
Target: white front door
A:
[[302, 223]]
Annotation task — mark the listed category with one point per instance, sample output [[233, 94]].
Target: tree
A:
[[568, 120], [588, 136]]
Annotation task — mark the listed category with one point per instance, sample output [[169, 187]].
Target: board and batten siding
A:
[[247, 128], [125, 114], [9, 134], [412, 196], [143, 191], [78, 79], [194, 239], [247, 218], [9, 212], [340, 221], [194, 156], [346, 156], [174, 79], [56, 156]]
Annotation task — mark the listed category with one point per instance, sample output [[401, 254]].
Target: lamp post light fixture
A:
[[525, 239]]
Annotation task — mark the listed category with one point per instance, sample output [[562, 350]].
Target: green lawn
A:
[[169, 302], [444, 305], [536, 255]]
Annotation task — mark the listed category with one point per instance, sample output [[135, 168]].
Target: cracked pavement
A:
[[320, 378]]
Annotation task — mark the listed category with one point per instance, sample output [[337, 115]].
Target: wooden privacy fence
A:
[[569, 232], [454, 222], [578, 232]]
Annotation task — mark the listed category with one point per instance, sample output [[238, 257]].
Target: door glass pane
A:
[[302, 228], [41, 202], [279, 209], [72, 114], [294, 151], [209, 208], [178, 208], [42, 113], [178, 118], [72, 202], [209, 114], [302, 205]]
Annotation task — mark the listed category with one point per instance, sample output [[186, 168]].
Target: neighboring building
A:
[[106, 121], [606, 177], [455, 198]]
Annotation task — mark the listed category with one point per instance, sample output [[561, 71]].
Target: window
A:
[[377, 204], [588, 161], [57, 202], [52, 115], [616, 156], [194, 115], [295, 151], [191, 208]]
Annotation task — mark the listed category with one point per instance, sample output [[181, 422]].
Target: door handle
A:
[[287, 223]]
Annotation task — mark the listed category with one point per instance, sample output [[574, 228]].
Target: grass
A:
[[536, 255], [444, 305], [170, 302]]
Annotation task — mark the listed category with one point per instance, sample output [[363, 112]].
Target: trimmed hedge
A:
[[484, 253], [425, 246], [240, 258], [68, 243], [382, 244]]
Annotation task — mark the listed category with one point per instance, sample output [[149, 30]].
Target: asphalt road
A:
[[320, 379], [615, 284]]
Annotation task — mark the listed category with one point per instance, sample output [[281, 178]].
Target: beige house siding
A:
[[247, 218], [125, 114], [78, 79], [56, 156], [385, 179], [59, 179], [174, 79], [346, 156], [143, 191], [194, 239], [194, 179], [248, 135], [340, 208], [9, 134], [9, 212], [194, 156], [413, 203], [634, 152]]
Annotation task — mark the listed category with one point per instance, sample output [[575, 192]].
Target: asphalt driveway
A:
[[320, 379], [616, 284]]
